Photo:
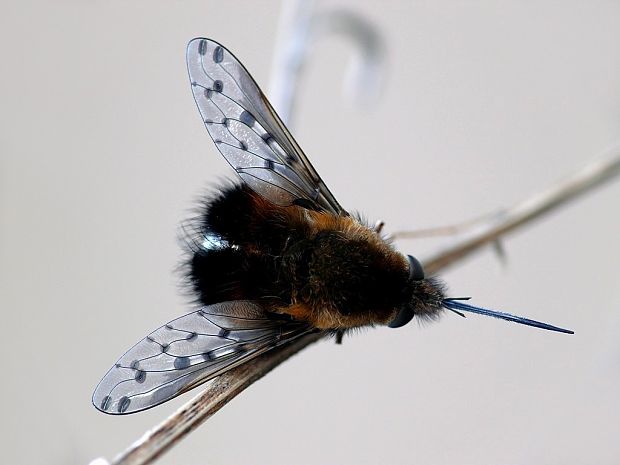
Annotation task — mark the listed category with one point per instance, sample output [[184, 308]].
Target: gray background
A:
[[103, 153]]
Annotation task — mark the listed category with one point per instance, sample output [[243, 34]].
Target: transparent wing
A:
[[188, 351], [249, 133]]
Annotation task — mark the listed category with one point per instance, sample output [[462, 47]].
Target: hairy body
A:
[[328, 270]]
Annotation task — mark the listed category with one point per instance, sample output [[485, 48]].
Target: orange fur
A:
[[325, 318], [320, 315]]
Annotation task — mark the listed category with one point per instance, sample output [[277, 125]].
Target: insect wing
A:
[[188, 351], [249, 133]]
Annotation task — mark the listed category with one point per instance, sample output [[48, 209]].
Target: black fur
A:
[[246, 261], [235, 216], [262, 252], [234, 274]]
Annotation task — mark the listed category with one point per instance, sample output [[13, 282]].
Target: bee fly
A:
[[272, 258]]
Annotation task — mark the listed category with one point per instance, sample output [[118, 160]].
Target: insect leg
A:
[[449, 230]]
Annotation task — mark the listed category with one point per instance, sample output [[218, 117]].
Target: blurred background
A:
[[102, 154]]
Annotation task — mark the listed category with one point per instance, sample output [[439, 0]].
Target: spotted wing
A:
[[249, 133], [189, 351]]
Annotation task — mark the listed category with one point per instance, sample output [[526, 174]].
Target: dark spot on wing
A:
[[246, 118], [140, 376], [181, 362], [123, 404], [105, 403], [218, 54], [202, 47], [218, 86]]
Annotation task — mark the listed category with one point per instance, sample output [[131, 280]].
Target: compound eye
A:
[[416, 272], [404, 316]]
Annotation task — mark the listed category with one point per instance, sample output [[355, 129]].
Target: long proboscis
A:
[[457, 304]]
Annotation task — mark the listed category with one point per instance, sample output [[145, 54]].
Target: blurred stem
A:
[[289, 56], [300, 28]]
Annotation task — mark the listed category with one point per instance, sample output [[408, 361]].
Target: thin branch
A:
[[217, 394], [301, 26], [223, 389], [494, 227]]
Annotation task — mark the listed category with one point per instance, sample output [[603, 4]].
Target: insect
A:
[[272, 258]]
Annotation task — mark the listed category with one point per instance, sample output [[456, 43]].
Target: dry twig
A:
[[493, 227]]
